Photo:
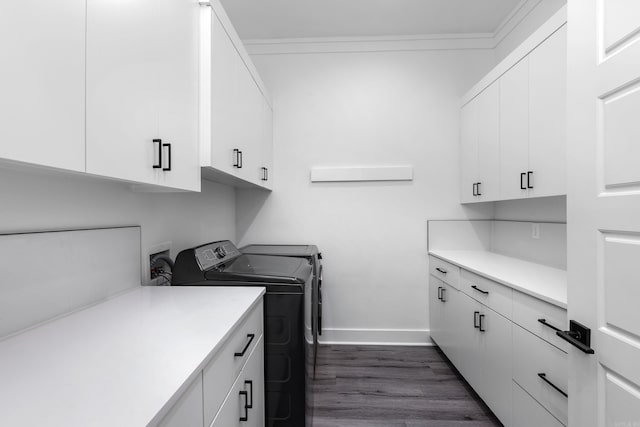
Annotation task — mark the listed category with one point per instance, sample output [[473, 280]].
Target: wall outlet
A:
[[535, 231], [153, 275]]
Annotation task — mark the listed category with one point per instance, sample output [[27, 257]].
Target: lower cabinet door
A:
[[244, 405], [470, 350], [436, 315], [529, 413], [187, 412], [497, 363]]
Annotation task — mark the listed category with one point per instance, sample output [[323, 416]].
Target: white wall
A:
[[528, 23], [549, 209], [375, 108], [40, 200]]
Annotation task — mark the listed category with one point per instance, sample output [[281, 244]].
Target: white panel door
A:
[[469, 152], [42, 79], [514, 131], [123, 62], [603, 210], [436, 314], [187, 412], [471, 355], [178, 92], [455, 325], [267, 144], [547, 116], [488, 114], [496, 363], [250, 133]]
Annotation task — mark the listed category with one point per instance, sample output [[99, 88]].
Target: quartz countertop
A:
[[546, 283], [119, 363]]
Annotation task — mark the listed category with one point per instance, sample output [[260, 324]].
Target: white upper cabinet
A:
[[514, 131], [547, 116], [235, 125], [42, 57], [517, 117], [142, 94]]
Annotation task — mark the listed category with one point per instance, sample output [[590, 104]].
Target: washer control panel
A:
[[213, 254]]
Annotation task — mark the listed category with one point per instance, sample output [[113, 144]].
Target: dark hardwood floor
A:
[[376, 386]]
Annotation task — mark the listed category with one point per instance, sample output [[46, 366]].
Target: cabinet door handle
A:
[[556, 388], [250, 384], [479, 290], [441, 270], [444, 295], [265, 174], [236, 158], [159, 164], [522, 187], [168, 168], [246, 405], [474, 189], [246, 346], [478, 189], [440, 293], [480, 325], [475, 319], [529, 179], [241, 160], [548, 325]]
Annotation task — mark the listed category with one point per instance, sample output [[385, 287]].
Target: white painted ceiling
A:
[[274, 19]]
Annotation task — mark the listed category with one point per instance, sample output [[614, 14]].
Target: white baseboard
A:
[[412, 337]]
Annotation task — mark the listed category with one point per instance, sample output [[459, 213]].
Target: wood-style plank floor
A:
[[381, 386]]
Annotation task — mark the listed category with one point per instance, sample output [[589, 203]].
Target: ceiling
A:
[[282, 19]]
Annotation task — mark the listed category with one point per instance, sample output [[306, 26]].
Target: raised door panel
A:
[[547, 116], [187, 412], [122, 117], [469, 152], [42, 82], [497, 364], [514, 131], [178, 95], [489, 143], [225, 105], [436, 316]]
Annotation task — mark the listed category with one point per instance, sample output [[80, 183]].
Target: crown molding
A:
[[462, 41]]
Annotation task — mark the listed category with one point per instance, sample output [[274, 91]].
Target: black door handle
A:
[[480, 325], [578, 335], [522, 187], [475, 319], [159, 164], [479, 290], [266, 174], [250, 384], [478, 189], [529, 180], [441, 270], [236, 158], [558, 389], [246, 347], [169, 167], [246, 405], [444, 293], [241, 159], [440, 293]]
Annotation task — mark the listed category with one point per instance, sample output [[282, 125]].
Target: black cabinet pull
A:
[[441, 270], [159, 164], [529, 180], [237, 160], [479, 290], [480, 325], [544, 378], [265, 174], [169, 147], [440, 293], [522, 187], [478, 193], [475, 319], [444, 294], [250, 384], [246, 346], [474, 189], [246, 405], [544, 322]]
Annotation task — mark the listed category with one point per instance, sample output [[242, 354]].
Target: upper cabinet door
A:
[[178, 92], [488, 188], [547, 116], [123, 60], [514, 131], [142, 86], [42, 79], [469, 152], [267, 145]]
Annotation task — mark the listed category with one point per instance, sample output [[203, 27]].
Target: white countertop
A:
[[120, 362], [546, 283]]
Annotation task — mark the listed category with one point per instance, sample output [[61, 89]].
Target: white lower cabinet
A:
[[187, 412], [496, 356]]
